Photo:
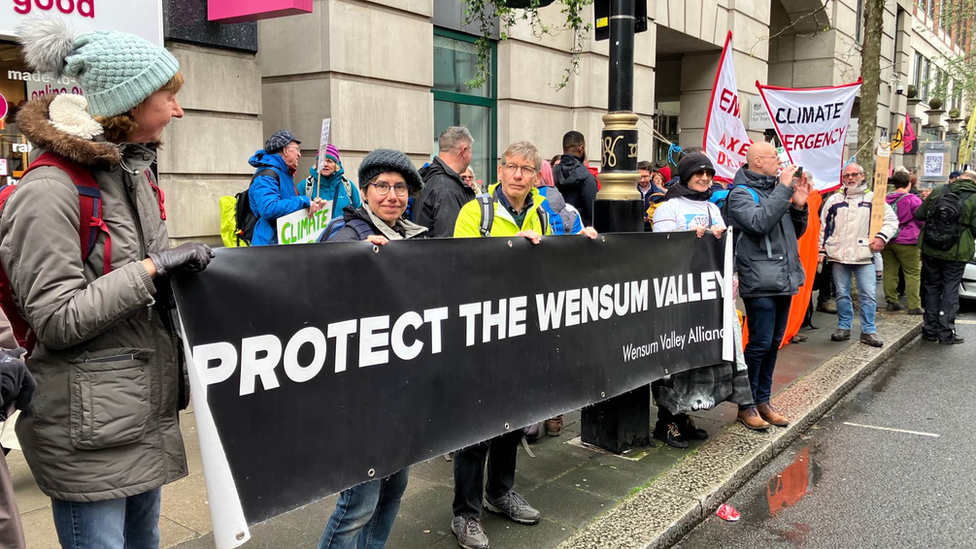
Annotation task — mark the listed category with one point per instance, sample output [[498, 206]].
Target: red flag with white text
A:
[[726, 140], [812, 125]]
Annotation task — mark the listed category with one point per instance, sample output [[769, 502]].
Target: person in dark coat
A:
[[364, 514], [769, 212], [577, 185], [444, 191]]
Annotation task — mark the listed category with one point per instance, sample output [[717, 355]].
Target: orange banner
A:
[[809, 248]]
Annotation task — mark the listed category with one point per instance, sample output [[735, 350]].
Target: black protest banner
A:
[[326, 365]]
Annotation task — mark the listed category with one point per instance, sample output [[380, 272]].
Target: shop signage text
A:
[[85, 8], [143, 18]]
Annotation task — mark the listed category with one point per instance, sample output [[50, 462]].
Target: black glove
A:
[[16, 383], [190, 258]]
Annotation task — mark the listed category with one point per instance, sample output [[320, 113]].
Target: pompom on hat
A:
[[117, 70]]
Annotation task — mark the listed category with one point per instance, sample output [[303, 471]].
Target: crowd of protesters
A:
[[96, 313]]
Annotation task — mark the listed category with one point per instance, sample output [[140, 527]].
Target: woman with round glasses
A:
[[687, 208], [364, 514], [387, 178]]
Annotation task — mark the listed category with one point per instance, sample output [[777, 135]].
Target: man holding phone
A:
[[767, 207]]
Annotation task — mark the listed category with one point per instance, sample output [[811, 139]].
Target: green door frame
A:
[[464, 99]]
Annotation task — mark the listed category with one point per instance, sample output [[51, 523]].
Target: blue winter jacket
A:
[[563, 218], [332, 190], [272, 199]]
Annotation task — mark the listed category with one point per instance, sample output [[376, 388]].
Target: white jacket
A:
[[845, 222]]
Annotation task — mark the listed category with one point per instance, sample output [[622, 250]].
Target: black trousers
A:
[[940, 295], [469, 472]]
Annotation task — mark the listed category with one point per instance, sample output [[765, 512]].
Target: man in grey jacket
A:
[[102, 435], [769, 212]]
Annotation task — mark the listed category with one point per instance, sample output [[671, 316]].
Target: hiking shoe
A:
[[689, 429], [895, 306], [554, 426], [828, 307], [840, 335], [751, 419], [929, 337], [872, 340], [470, 534], [916, 311], [514, 506], [956, 340], [772, 415], [670, 435]]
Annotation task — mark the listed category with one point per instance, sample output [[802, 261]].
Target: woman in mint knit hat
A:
[[102, 435]]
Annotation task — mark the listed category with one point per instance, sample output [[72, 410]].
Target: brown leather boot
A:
[[770, 414], [750, 418], [554, 426]]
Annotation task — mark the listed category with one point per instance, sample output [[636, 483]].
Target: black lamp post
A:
[[622, 422]]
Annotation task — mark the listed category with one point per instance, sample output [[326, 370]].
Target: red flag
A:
[[909, 134], [725, 141]]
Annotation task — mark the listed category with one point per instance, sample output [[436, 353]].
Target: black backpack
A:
[[245, 218], [945, 220]]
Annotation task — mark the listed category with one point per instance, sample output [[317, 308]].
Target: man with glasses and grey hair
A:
[[444, 190], [514, 207], [846, 242]]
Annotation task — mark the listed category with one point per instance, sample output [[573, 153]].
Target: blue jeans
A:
[[364, 514], [766, 317], [124, 523], [867, 287]]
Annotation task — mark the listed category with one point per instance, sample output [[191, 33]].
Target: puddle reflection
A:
[[792, 483]]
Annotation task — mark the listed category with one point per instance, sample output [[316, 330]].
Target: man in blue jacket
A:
[[273, 193]]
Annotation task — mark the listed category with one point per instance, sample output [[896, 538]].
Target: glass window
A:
[[478, 121], [13, 91], [455, 64], [456, 104]]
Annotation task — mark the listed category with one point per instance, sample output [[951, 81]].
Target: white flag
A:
[[812, 125], [323, 141], [726, 140]]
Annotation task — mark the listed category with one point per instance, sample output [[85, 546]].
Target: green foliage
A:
[[483, 14]]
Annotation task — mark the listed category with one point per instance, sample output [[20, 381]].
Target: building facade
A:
[[394, 73]]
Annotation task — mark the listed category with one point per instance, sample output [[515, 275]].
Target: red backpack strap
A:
[[160, 196], [21, 330], [89, 201]]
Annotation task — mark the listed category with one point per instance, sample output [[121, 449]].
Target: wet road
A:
[[891, 466]]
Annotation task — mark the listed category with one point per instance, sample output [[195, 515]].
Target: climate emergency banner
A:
[[317, 367], [726, 140], [812, 126]]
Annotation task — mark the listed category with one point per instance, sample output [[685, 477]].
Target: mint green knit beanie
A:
[[117, 70]]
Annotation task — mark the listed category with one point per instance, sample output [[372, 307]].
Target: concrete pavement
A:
[[588, 498]]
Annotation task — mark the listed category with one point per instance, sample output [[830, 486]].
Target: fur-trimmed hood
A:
[[34, 120]]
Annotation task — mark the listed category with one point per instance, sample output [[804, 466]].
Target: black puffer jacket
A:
[[442, 198], [577, 185], [766, 253]]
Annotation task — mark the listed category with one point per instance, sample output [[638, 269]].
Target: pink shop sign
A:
[[239, 11]]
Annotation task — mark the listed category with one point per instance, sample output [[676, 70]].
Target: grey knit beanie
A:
[[387, 160], [117, 70]]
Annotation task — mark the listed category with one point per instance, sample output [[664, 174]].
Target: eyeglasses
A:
[[467, 178], [527, 171], [383, 189], [709, 173], [850, 175]]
